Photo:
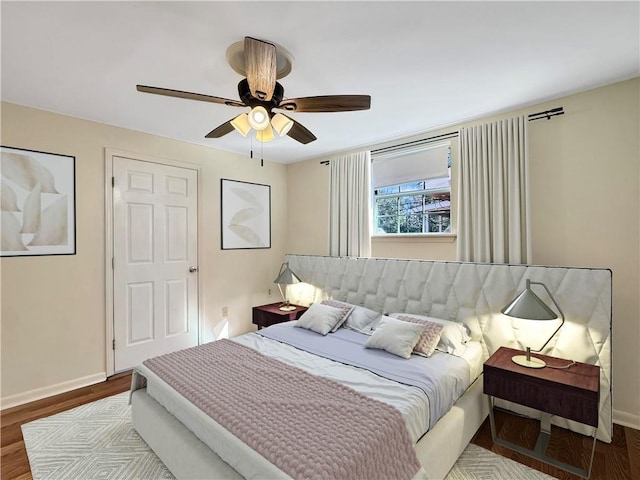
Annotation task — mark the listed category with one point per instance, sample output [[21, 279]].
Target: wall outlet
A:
[[225, 311], [269, 293]]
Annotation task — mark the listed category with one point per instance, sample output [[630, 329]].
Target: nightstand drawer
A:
[[572, 393], [554, 398]]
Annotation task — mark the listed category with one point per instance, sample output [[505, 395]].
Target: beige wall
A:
[[53, 307], [585, 209], [585, 204], [308, 214]]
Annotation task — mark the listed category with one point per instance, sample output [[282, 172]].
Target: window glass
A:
[[392, 189], [417, 206], [410, 187]]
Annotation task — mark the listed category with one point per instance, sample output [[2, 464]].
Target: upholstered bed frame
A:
[[474, 293], [466, 292]]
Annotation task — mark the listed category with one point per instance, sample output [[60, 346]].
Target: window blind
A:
[[409, 165]]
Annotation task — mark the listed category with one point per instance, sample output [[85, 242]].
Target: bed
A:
[[192, 445]]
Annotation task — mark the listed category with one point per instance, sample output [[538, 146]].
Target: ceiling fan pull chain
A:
[[262, 154]]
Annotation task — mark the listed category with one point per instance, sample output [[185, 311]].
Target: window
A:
[[419, 201]]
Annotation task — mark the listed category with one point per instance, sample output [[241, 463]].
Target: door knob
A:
[[193, 269]]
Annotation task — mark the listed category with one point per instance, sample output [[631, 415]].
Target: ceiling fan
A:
[[262, 63]]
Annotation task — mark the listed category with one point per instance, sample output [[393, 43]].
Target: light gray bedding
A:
[[308, 426], [411, 401], [442, 377]]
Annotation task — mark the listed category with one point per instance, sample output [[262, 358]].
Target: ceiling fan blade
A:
[[220, 131], [327, 103], [188, 95], [261, 67], [301, 134]]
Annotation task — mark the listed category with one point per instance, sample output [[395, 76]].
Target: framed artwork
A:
[[38, 203], [245, 214]]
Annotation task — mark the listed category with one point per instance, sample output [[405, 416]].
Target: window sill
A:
[[415, 238]]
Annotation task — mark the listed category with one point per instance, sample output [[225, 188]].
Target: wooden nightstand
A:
[[265, 315], [572, 393]]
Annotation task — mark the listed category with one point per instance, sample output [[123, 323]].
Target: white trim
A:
[[44, 392], [415, 237], [626, 419], [109, 153], [108, 259]]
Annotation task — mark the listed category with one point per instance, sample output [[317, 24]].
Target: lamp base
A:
[[533, 362], [287, 308]]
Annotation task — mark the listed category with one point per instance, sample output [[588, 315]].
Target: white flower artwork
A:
[[37, 203], [245, 215]]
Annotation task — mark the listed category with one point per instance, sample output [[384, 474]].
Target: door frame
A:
[[109, 153]]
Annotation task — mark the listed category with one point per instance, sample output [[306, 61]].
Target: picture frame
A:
[[38, 203], [245, 215]]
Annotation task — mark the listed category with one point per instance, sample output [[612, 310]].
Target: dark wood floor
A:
[[619, 460], [14, 463]]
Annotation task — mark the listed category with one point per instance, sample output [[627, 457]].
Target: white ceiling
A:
[[425, 64]]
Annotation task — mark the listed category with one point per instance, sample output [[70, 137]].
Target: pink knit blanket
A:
[[308, 426]]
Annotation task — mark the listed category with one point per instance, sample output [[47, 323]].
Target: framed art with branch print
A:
[[245, 215], [38, 198]]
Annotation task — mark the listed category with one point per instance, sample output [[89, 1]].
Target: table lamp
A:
[[286, 277], [527, 305]]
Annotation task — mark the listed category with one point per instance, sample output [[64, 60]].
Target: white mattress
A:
[[410, 401]]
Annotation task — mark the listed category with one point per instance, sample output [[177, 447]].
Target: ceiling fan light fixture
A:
[[281, 123], [265, 135], [241, 124], [259, 118]]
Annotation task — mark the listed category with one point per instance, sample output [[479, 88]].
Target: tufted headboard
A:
[[474, 293]]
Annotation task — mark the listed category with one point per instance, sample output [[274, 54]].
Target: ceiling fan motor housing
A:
[[245, 95]]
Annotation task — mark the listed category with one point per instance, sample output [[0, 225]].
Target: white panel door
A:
[[155, 279]]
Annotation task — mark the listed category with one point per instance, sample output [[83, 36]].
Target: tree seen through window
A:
[[413, 207]]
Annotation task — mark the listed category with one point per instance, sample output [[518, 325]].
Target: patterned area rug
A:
[[97, 441]]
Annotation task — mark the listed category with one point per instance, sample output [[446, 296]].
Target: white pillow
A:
[[362, 319], [395, 336], [453, 338], [345, 307], [320, 318]]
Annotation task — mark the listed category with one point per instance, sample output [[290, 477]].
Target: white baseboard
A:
[[44, 392], [626, 419]]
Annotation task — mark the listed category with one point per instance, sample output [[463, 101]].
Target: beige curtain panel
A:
[[349, 205], [493, 211]]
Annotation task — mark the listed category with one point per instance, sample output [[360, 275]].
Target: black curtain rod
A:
[[435, 138], [546, 114], [531, 117]]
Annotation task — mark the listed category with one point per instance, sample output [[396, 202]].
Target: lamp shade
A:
[[528, 305], [241, 124], [286, 276], [281, 123], [265, 135], [259, 118]]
